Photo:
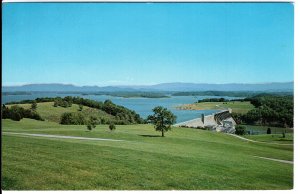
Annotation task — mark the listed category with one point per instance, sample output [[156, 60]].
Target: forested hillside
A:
[[270, 110]]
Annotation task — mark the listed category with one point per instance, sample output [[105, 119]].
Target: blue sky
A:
[[145, 43]]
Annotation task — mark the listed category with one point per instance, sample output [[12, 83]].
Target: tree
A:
[[92, 123], [16, 116], [269, 131], [80, 107], [112, 126], [34, 106], [162, 119], [66, 118], [89, 127], [65, 104], [5, 112], [16, 113], [283, 134], [240, 130]]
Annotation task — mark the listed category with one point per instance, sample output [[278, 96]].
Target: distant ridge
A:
[[172, 87]]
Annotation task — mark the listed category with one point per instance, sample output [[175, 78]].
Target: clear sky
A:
[[145, 43]]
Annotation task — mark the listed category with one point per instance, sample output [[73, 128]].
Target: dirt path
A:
[[59, 136], [250, 140]]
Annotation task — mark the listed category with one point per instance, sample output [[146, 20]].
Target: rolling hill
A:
[[50, 113]]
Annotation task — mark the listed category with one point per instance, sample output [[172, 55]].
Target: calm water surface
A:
[[142, 106]]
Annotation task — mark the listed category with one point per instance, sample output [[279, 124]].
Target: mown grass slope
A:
[[50, 113], [184, 159], [277, 138], [236, 106]]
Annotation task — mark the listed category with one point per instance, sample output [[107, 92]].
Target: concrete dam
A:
[[221, 122]]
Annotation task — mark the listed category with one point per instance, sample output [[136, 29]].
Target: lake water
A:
[[143, 106]]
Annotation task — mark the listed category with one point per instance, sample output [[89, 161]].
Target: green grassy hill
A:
[[185, 159], [50, 113]]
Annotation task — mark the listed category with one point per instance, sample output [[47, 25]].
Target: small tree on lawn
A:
[[283, 134], [89, 127], [34, 106], [91, 123], [162, 119], [112, 126]]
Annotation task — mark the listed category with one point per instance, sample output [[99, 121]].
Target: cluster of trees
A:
[[74, 118], [93, 122], [37, 100], [62, 103], [269, 110], [218, 100], [78, 118], [122, 115], [17, 113]]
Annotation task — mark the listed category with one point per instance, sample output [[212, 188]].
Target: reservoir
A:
[[143, 106]]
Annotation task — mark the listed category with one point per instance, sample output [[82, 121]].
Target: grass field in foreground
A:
[[51, 113], [237, 106], [184, 159]]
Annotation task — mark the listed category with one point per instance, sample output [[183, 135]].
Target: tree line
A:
[[219, 100], [17, 113]]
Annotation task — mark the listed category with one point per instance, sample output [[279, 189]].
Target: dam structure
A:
[[221, 122]]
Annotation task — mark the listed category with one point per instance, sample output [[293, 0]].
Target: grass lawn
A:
[[278, 138], [237, 106], [185, 159], [51, 113]]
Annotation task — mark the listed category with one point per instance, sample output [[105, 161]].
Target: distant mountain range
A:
[[171, 87]]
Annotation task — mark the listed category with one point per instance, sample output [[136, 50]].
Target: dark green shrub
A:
[[34, 106], [66, 119], [112, 126], [240, 130], [92, 122]]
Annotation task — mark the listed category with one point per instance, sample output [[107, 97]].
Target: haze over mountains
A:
[[172, 87]]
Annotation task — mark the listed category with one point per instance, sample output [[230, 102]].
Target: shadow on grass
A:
[[150, 135], [8, 183]]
